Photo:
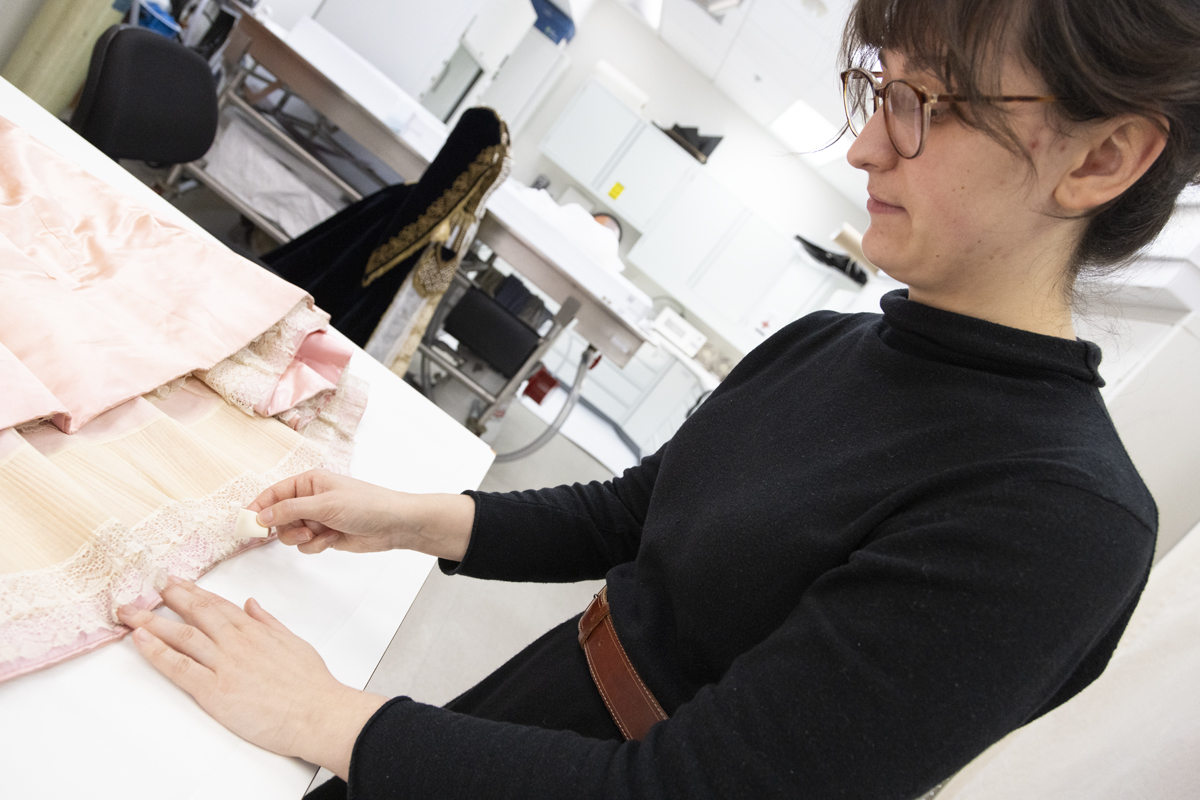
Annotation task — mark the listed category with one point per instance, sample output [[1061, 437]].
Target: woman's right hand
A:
[[317, 510]]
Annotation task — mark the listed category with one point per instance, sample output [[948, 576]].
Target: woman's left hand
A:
[[253, 675]]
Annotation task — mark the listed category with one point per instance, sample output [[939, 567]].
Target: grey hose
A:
[[580, 373]]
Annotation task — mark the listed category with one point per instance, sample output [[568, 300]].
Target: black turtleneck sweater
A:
[[882, 544]]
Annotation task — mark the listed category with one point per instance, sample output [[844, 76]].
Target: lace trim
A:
[[251, 374], [47, 609], [50, 614], [331, 422], [187, 538]]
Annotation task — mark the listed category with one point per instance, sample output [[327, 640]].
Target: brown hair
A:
[[1101, 58]]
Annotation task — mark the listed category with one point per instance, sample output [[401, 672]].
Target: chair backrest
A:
[[147, 97]]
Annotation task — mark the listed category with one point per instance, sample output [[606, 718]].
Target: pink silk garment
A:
[[101, 300], [136, 470]]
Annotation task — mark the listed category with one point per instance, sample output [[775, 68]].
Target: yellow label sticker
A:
[[615, 192]]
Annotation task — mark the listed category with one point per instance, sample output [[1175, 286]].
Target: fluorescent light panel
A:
[[803, 129]]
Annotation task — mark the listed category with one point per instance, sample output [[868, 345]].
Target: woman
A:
[[884, 542]]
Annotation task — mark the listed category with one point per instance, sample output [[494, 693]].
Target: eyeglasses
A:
[[907, 109]]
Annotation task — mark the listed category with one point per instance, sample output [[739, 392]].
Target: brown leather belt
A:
[[631, 704]]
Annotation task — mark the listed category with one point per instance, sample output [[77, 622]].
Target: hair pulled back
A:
[[1101, 58]]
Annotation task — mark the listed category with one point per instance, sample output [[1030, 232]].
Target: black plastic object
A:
[[330, 260], [147, 97], [697, 146], [491, 332], [843, 264]]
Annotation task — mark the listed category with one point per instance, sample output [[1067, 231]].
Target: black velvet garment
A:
[[330, 260], [881, 545]]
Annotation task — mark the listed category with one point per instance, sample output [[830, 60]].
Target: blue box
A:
[[553, 22]]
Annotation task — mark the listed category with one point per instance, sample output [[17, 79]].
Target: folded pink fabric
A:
[[100, 299], [22, 395], [316, 368]]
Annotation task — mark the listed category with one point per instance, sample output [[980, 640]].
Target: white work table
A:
[[107, 724]]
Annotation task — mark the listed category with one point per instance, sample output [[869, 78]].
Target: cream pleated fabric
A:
[[142, 369]]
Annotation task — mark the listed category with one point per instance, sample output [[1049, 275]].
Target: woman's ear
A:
[[1119, 151]]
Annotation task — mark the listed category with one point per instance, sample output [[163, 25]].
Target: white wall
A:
[[750, 162], [408, 40], [15, 16]]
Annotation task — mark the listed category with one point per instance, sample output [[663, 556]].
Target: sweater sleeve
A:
[[567, 533], [951, 627]]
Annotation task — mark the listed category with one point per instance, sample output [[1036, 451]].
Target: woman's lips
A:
[[875, 206]]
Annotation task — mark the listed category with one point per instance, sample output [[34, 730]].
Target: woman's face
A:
[[966, 212]]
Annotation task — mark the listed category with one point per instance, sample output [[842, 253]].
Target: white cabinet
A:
[[664, 409], [688, 233], [729, 267], [799, 289], [625, 162], [593, 130], [744, 269], [648, 174], [649, 398], [726, 265]]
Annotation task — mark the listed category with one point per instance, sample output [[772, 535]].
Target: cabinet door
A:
[[645, 177], [800, 288], [664, 409], [689, 231], [743, 272], [590, 133]]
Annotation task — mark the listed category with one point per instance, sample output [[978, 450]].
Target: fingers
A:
[[259, 614], [183, 671], [295, 486], [211, 613], [294, 509], [186, 639], [296, 535], [305, 485], [319, 543]]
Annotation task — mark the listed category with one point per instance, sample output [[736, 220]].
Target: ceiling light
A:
[[808, 133], [816, 7]]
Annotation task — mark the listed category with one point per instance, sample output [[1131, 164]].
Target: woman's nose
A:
[[873, 148]]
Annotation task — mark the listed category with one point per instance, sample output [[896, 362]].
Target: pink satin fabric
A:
[[101, 300], [317, 366]]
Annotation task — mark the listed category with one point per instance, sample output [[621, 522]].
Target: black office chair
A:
[[148, 98]]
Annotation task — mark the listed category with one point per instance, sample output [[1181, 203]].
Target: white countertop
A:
[[108, 725]]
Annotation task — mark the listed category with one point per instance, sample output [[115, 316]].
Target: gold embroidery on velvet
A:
[[456, 208]]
